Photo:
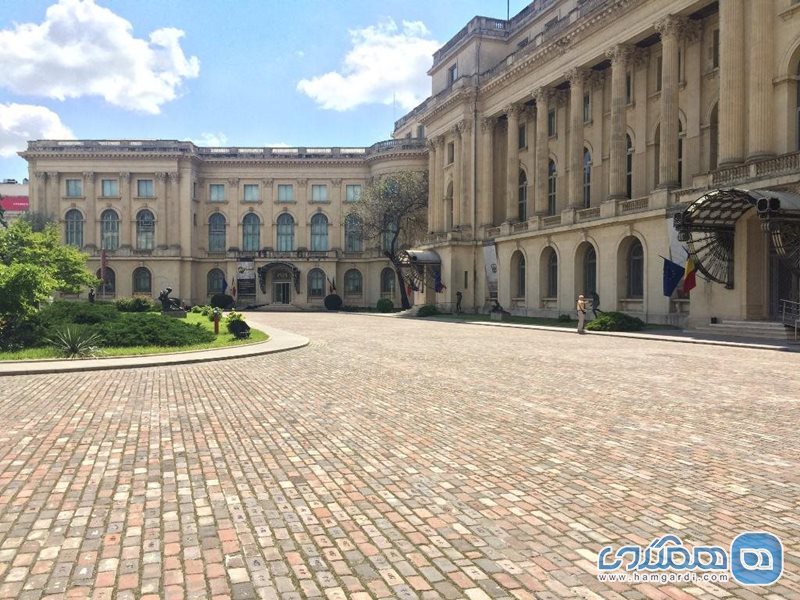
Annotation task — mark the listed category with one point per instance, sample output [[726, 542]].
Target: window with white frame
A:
[[251, 192], [73, 228], [109, 230], [353, 283], [251, 232], [74, 188], [319, 233], [216, 192], [285, 233], [316, 283], [319, 193], [144, 188], [109, 188], [216, 233], [285, 192], [353, 192], [145, 230], [352, 234]]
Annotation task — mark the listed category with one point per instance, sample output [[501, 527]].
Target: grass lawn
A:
[[538, 321], [223, 339]]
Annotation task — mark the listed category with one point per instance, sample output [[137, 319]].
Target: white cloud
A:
[[384, 64], [22, 122], [82, 49], [211, 139]]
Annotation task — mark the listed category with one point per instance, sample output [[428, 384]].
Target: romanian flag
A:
[[673, 273], [689, 276]]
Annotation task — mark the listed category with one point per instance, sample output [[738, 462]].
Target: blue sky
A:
[[222, 72]]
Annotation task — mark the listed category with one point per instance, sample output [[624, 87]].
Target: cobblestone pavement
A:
[[396, 458]]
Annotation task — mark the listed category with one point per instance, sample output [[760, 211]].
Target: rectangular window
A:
[[144, 188], [452, 75], [715, 49], [109, 188], [319, 193], [466, 280], [659, 65], [194, 190], [451, 153], [251, 192], [587, 108], [74, 188], [680, 64], [285, 193], [216, 192], [420, 131], [353, 193], [551, 122], [628, 87], [523, 138]]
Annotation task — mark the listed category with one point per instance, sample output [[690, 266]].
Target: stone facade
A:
[[568, 135], [171, 214]]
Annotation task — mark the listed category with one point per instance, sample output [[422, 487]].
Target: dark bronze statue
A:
[[168, 303]]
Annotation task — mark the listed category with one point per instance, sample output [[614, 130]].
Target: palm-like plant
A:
[[74, 343]]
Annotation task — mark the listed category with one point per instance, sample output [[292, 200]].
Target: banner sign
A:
[[14, 203], [490, 262], [246, 269]]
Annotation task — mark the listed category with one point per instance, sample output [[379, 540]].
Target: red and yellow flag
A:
[[689, 276]]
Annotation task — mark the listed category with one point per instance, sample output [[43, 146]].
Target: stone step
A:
[[752, 329]]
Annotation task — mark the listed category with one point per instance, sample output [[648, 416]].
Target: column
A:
[[53, 195], [759, 85], [161, 210], [542, 96], [173, 208], [575, 187], [486, 215], [731, 82], [39, 197], [467, 145], [432, 222], [91, 210], [457, 187], [620, 57], [668, 142], [127, 209], [441, 208], [512, 163]]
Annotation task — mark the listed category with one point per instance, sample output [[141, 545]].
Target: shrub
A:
[[563, 318], [136, 304], [615, 321], [20, 332], [333, 302], [212, 314], [221, 301], [149, 329], [62, 313], [236, 325], [385, 305], [197, 309], [75, 343], [429, 310]]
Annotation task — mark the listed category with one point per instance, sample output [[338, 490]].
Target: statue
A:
[[167, 303]]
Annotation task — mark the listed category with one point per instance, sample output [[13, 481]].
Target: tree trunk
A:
[[405, 303]]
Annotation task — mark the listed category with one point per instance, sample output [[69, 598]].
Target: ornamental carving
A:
[[512, 110], [161, 175], [52, 175], [88, 176], [620, 54], [336, 182], [488, 123], [233, 181], [675, 26], [40, 175], [302, 182], [576, 76], [543, 95], [267, 182], [174, 176], [124, 176], [464, 127]]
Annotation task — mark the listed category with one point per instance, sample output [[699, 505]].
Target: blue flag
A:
[[224, 284], [673, 273]]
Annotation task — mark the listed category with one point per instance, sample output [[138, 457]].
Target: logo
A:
[[756, 558]]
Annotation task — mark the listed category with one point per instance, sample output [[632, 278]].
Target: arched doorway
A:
[[281, 287]]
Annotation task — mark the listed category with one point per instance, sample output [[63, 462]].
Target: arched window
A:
[[522, 197], [109, 230], [635, 270], [713, 134], [590, 271], [518, 275], [629, 167], [551, 187], [145, 230], [552, 275], [352, 234], [73, 228], [215, 282], [316, 283], [216, 233], [251, 233], [319, 233], [388, 281], [587, 178], [448, 208], [142, 281], [285, 233], [352, 283], [108, 287]]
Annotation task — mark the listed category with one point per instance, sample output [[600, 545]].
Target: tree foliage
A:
[[33, 265], [394, 211]]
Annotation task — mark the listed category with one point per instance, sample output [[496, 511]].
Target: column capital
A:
[[542, 95], [678, 27], [174, 176], [267, 182], [620, 55], [488, 123], [52, 174], [233, 181], [576, 76], [40, 175], [439, 141], [431, 145], [512, 110], [336, 182], [464, 127], [124, 175], [88, 176], [302, 182], [161, 175], [596, 78]]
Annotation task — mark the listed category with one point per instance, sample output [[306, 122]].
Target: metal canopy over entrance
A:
[[265, 269], [420, 268], [707, 225]]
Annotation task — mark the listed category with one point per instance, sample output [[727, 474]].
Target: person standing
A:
[[459, 296], [581, 308], [595, 304]]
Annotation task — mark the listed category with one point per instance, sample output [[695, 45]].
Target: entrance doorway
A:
[[282, 287], [783, 284]]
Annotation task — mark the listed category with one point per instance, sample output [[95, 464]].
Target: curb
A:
[[279, 341]]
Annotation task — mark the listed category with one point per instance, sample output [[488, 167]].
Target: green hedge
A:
[[385, 305], [615, 321], [137, 304], [149, 329], [429, 310]]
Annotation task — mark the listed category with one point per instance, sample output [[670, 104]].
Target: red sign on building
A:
[[14, 203]]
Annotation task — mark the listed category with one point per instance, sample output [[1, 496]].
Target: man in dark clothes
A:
[[595, 304]]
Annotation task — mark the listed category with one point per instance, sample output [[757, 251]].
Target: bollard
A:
[[216, 323]]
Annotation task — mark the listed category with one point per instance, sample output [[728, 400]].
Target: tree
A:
[[33, 265], [394, 210]]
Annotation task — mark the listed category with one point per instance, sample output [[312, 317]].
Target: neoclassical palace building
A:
[[564, 141], [271, 223], [568, 150]]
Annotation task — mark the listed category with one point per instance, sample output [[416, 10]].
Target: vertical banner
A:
[[490, 263], [246, 278]]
